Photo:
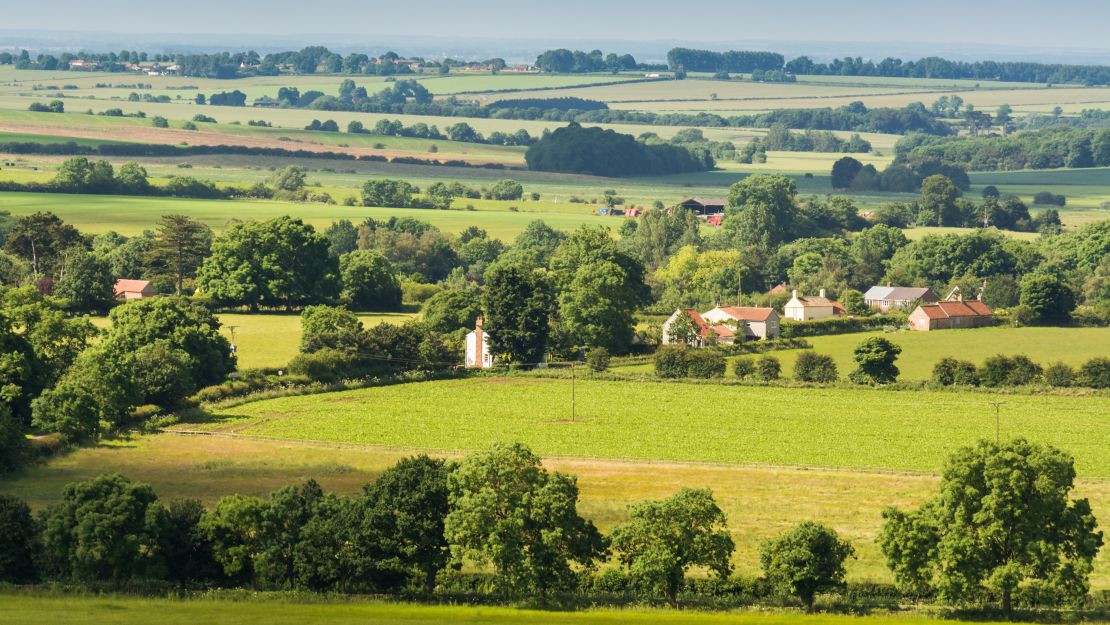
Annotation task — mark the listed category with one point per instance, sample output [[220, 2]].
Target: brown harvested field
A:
[[760, 501]]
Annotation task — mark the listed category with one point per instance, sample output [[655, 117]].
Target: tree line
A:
[[1045, 148], [414, 527], [599, 152]]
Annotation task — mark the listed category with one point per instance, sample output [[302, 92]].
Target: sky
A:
[[1017, 23]]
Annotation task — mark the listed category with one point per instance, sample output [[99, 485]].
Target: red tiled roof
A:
[[132, 286], [748, 313], [942, 310]]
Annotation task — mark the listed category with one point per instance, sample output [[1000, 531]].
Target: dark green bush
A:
[[949, 371], [1008, 371], [705, 363], [1059, 374], [814, 367], [743, 367], [670, 361], [1095, 373], [597, 359], [768, 368]]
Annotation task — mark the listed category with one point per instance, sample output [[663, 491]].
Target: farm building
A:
[[134, 289], [705, 333], [704, 207], [810, 307], [477, 348], [887, 298], [755, 323], [953, 313]]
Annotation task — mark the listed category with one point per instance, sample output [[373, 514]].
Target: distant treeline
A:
[[564, 61], [1047, 148], [575, 149], [151, 149], [550, 104], [731, 61], [936, 67], [315, 59]]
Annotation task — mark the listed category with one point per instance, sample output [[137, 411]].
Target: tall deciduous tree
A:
[[517, 306], [806, 560], [663, 539], [104, 529], [600, 286], [282, 262], [369, 281], [1002, 519], [510, 512], [404, 512]]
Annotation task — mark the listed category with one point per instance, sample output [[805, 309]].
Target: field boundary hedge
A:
[[839, 325]]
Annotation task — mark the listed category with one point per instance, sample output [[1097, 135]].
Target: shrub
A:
[[876, 357], [743, 368], [705, 363], [949, 371], [1059, 374], [1095, 373], [670, 361], [597, 359], [1050, 199], [159, 122], [1008, 371], [326, 365], [814, 367], [768, 368]]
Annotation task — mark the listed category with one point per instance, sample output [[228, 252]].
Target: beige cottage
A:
[[808, 308], [477, 348], [748, 322]]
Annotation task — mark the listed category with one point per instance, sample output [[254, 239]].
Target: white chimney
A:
[[794, 293], [822, 293]]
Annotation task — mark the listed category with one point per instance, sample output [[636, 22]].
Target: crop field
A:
[[97, 214], [647, 420], [277, 610]]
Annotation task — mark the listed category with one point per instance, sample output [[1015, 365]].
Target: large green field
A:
[[648, 420], [922, 350], [276, 610]]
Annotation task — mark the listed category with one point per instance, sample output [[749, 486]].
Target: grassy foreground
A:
[[831, 427], [127, 611]]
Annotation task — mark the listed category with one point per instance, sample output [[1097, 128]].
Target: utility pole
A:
[[739, 278], [232, 329], [997, 425], [572, 363]]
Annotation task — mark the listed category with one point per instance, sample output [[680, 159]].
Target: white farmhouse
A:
[[477, 348], [808, 308]]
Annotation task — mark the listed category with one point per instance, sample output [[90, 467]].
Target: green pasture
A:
[[922, 350], [275, 609], [127, 215], [648, 420], [271, 340]]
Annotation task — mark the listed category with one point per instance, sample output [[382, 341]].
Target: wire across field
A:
[[828, 427]]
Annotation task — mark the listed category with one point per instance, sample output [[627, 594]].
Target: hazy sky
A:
[[1063, 23]]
